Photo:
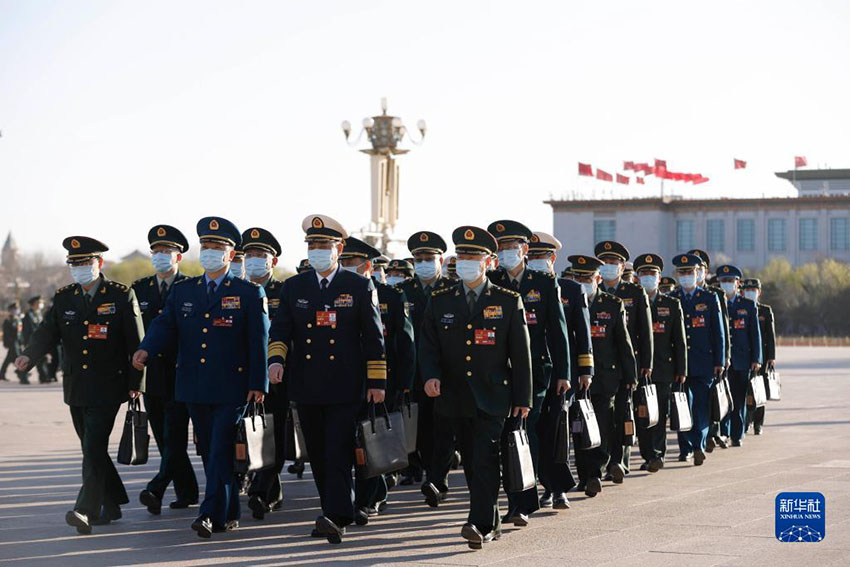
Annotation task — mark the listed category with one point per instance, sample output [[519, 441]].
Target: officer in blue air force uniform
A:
[[706, 352], [328, 332], [746, 347], [547, 328], [168, 417], [219, 325]]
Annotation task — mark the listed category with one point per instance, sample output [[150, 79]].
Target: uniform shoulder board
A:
[[185, 280], [505, 291], [394, 289], [118, 285], [440, 291], [65, 288], [542, 275], [669, 299], [610, 297], [143, 280], [633, 285], [246, 281]]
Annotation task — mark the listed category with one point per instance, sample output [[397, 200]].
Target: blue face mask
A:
[[469, 270], [85, 274], [609, 272], [394, 280], [687, 281], [352, 269], [321, 259], [212, 260], [510, 258], [538, 265], [649, 283], [589, 289], [237, 269], [256, 267], [751, 294], [729, 288], [426, 269], [162, 262]]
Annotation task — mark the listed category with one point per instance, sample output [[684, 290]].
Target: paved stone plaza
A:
[[719, 514]]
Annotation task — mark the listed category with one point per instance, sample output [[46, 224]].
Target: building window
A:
[[715, 235], [776, 235], [808, 234], [604, 229], [746, 235], [839, 233], [684, 235]]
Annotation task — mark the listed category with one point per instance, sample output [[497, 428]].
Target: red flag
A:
[[700, 179], [585, 169], [640, 180], [627, 165], [604, 176], [677, 176], [644, 167], [800, 161], [622, 179], [661, 163], [660, 171], [740, 164]]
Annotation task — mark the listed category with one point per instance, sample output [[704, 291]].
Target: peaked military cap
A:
[[567, 272], [381, 261], [238, 253], [220, 230], [667, 283], [33, 299], [728, 271], [356, 248], [751, 283], [649, 261], [542, 241], [581, 264], [687, 261], [451, 264], [165, 235], [81, 248], [261, 238], [424, 241], [629, 268], [702, 255], [473, 240], [611, 249], [303, 266], [401, 265], [322, 227], [509, 230]]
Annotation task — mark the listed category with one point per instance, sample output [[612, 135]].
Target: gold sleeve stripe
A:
[[376, 374], [278, 348], [376, 363], [585, 360]]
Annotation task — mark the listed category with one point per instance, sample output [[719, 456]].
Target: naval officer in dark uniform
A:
[[328, 331], [218, 324], [670, 364], [547, 328], [474, 355], [99, 325], [169, 418]]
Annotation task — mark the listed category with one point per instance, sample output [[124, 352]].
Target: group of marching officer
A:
[[484, 341]]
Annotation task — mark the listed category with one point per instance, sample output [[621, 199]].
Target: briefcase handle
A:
[[257, 410], [371, 410]]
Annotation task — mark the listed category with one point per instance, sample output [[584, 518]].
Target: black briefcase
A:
[[254, 450], [680, 411], [561, 452], [646, 399], [410, 419], [585, 428], [295, 447], [135, 440], [380, 443], [519, 468]]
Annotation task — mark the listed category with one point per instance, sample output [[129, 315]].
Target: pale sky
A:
[[120, 115]]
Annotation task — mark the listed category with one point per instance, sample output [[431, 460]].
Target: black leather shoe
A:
[[406, 480], [258, 507], [229, 526], [79, 521], [699, 458], [151, 501], [709, 445], [582, 486], [315, 533], [330, 530], [737, 442], [655, 465], [644, 466], [757, 430], [296, 468], [107, 517], [180, 503], [721, 442], [685, 457], [432, 495], [380, 507], [203, 526], [560, 502], [474, 538], [391, 480], [546, 500], [361, 516], [519, 519], [617, 473], [593, 488]]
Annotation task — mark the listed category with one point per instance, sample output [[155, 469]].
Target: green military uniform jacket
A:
[[99, 341], [613, 354], [638, 320], [482, 358], [671, 347]]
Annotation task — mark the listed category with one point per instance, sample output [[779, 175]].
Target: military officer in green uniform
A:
[[670, 364], [399, 271], [475, 360], [667, 285], [614, 365], [639, 321], [547, 327], [99, 324], [262, 250], [751, 289], [168, 418]]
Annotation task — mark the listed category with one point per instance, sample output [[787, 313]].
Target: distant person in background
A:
[[237, 266], [31, 321], [11, 331]]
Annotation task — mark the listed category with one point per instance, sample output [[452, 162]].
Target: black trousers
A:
[[169, 421], [479, 439], [435, 444], [620, 453], [592, 462], [266, 483], [653, 441], [102, 490], [11, 355], [555, 477], [527, 501], [329, 434]]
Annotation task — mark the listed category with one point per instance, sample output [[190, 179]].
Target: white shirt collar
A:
[[329, 277]]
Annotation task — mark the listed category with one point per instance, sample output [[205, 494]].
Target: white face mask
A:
[[589, 289], [687, 281], [85, 274], [469, 270], [751, 294], [257, 267], [394, 280], [379, 275], [609, 272], [352, 269], [729, 288], [427, 269], [238, 269], [162, 262], [700, 275], [539, 265], [212, 260], [321, 259], [510, 258], [649, 283]]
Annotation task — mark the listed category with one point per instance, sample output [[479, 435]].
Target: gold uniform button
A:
[[205, 330], [469, 372], [85, 366], [203, 345], [307, 356], [332, 341], [505, 382], [85, 351], [239, 369], [309, 325], [468, 358], [85, 322], [206, 315], [203, 361], [469, 326], [331, 357], [160, 311], [333, 326], [85, 337], [309, 341]]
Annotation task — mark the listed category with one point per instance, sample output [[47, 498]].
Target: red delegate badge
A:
[[98, 331], [485, 337], [325, 318]]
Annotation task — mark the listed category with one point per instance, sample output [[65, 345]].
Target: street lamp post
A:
[[385, 132]]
